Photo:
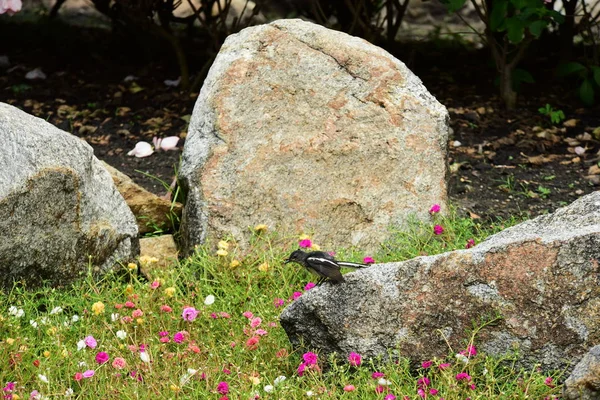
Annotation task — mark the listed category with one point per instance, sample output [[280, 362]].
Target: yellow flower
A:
[[132, 266], [175, 388], [15, 396], [264, 267], [260, 228], [10, 340], [234, 264], [315, 247], [140, 321], [23, 348], [64, 353], [255, 380], [46, 354], [98, 307], [222, 253], [129, 289], [51, 331], [223, 245], [147, 260], [170, 291]]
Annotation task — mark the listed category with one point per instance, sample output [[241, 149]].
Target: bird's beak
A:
[[287, 261]]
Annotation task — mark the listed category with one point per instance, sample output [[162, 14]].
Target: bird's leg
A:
[[320, 281]]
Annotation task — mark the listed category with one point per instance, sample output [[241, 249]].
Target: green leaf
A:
[[586, 92], [515, 30], [596, 71], [537, 27], [454, 5], [556, 16], [497, 15], [520, 75], [569, 68]]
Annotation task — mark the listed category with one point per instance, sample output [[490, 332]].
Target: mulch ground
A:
[[502, 162]]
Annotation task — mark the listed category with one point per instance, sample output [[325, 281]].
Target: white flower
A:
[[17, 312], [145, 357], [279, 379], [142, 149], [484, 372], [462, 358], [310, 393], [384, 382], [43, 378], [186, 377], [269, 388], [75, 318], [80, 345], [56, 310], [33, 323], [121, 334], [209, 300], [44, 320], [114, 317], [82, 363], [69, 392]]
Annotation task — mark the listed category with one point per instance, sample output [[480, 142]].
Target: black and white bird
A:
[[322, 264]]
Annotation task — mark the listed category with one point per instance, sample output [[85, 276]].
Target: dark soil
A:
[[508, 162]]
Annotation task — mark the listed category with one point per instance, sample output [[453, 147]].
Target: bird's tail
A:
[[347, 264]]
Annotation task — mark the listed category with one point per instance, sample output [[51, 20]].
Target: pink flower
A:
[[548, 382], [89, 373], [163, 333], [252, 343], [421, 393], [463, 376], [137, 313], [90, 342], [189, 314], [295, 295], [423, 382], [470, 243], [438, 230], [301, 369], [379, 389], [226, 371], [261, 332], [78, 376], [472, 386], [248, 314], [10, 6], [471, 350], [389, 397], [349, 388], [255, 322], [354, 359], [119, 363], [310, 358], [155, 285], [223, 314], [102, 357], [369, 260], [129, 304], [305, 243], [434, 209], [309, 286], [377, 375], [127, 319], [433, 392], [426, 364], [118, 306], [164, 339], [179, 337], [223, 388], [444, 366], [214, 315], [165, 308], [278, 302]]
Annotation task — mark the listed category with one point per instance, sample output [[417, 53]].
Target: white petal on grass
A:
[[114, 317], [144, 356], [43, 378], [462, 358], [141, 150], [269, 388], [169, 143], [579, 150], [310, 393], [35, 74], [75, 318], [121, 334], [186, 377], [80, 345], [210, 299], [69, 392], [279, 379], [33, 323], [384, 382], [172, 83], [56, 310]]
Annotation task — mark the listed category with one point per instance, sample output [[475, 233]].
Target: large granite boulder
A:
[[584, 381], [59, 208], [539, 278], [307, 129]]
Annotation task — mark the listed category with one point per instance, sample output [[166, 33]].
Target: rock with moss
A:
[[59, 209]]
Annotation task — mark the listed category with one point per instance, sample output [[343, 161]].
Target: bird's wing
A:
[[325, 267], [347, 264]]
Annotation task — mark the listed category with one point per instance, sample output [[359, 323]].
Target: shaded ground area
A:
[[503, 162]]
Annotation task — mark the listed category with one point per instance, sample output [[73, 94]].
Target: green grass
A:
[[215, 345]]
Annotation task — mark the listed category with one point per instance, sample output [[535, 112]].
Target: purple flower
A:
[[438, 230], [354, 359], [90, 342], [89, 373], [189, 314], [305, 243], [369, 260], [434, 209], [310, 358], [470, 243], [223, 388], [179, 337], [101, 357]]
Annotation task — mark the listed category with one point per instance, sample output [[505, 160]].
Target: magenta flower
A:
[[90, 342], [470, 351], [379, 389], [223, 388], [422, 394], [369, 260], [354, 359], [349, 388], [389, 397], [463, 376], [548, 382], [305, 243], [154, 285], [426, 364], [434, 209], [89, 373], [470, 243], [278, 302], [179, 337], [102, 357], [377, 375], [189, 314], [423, 382], [295, 295], [310, 358], [438, 230], [309, 286], [301, 369], [444, 366], [433, 391], [163, 333]]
